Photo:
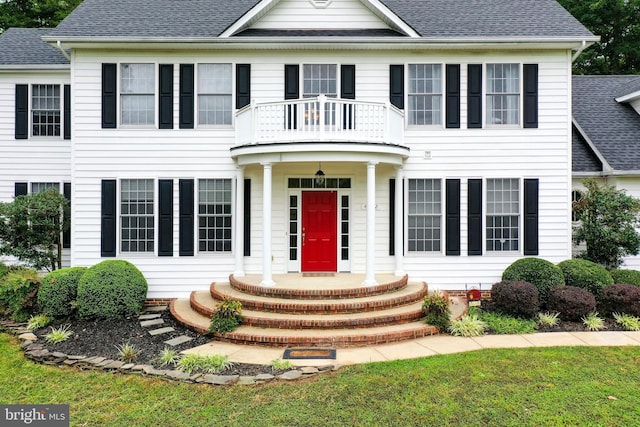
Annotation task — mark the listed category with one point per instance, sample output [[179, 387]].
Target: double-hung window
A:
[[503, 214], [425, 215], [137, 94], [214, 94], [45, 110], [39, 187], [503, 94], [137, 215], [425, 94], [319, 79], [214, 215]]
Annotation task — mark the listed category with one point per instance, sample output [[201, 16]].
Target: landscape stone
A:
[[127, 367], [26, 344], [76, 357], [336, 367], [178, 375], [59, 355], [196, 378], [290, 375], [116, 364], [161, 331], [155, 308], [35, 347], [138, 367], [96, 360], [325, 368], [103, 363], [220, 379], [28, 336], [308, 370], [264, 377], [70, 362], [178, 340], [246, 380], [149, 316], [147, 323]]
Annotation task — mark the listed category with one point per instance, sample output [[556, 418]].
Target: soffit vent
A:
[[320, 4]]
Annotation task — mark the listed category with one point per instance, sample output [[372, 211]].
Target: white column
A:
[[267, 278], [398, 223], [370, 277], [239, 239]]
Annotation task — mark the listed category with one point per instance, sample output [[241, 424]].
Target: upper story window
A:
[[136, 215], [319, 79], [45, 110], [425, 94], [214, 94], [503, 214], [137, 94], [425, 215], [503, 94]]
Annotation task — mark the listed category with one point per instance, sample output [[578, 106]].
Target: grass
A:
[[502, 324], [281, 365], [628, 322], [548, 319], [468, 326], [208, 364], [168, 357], [37, 322], [558, 386]]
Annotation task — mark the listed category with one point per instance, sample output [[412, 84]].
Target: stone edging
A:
[[38, 353]]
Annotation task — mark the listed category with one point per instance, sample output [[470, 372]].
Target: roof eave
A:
[[628, 97], [606, 166], [34, 67]]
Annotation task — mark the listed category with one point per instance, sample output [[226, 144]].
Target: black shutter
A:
[[392, 216], [165, 107], [530, 82], [396, 85], [291, 91], [348, 91], [243, 85], [22, 112], [453, 216], [453, 96], [21, 189], [109, 95], [247, 217], [474, 200], [165, 214], [186, 188], [531, 217], [108, 219], [67, 112], [66, 236], [186, 96], [474, 96]]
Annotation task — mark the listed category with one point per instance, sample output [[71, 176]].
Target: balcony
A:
[[319, 119]]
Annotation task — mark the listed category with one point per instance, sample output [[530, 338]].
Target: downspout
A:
[[582, 47], [66, 55]]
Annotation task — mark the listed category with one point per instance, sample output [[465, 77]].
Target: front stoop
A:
[[336, 316]]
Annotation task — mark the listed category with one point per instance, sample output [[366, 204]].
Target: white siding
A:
[[302, 14]]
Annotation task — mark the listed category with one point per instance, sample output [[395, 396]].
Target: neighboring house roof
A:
[[433, 19], [24, 46], [612, 127]]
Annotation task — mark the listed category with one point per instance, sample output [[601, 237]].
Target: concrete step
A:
[[413, 292], [203, 303]]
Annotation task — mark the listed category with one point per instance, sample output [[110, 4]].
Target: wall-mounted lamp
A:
[[319, 176]]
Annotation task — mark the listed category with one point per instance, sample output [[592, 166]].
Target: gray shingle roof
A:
[[631, 87], [582, 157], [614, 128], [488, 18], [484, 19], [23, 46]]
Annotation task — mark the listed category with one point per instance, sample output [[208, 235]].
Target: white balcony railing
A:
[[320, 119]]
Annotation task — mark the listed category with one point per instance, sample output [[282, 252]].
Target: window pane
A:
[[319, 78], [136, 215], [45, 110], [424, 220], [503, 208], [425, 94], [214, 218], [214, 94], [503, 93]]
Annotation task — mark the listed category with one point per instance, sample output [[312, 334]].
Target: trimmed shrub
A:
[[626, 277], [573, 303], [519, 299], [227, 317], [619, 299], [436, 311], [58, 291], [18, 294], [544, 275], [111, 289], [585, 274], [4, 270]]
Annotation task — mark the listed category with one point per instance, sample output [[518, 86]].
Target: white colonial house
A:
[[203, 138]]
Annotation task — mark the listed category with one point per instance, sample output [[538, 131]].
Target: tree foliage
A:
[[31, 228], [609, 220], [34, 13], [617, 22]]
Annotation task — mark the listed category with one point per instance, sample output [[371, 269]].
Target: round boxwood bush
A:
[[544, 275], [619, 298], [585, 274], [573, 303], [58, 291], [519, 299], [626, 277], [111, 289]]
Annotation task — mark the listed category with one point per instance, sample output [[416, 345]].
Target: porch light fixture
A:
[[319, 176]]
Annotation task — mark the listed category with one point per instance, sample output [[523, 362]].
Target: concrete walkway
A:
[[422, 347]]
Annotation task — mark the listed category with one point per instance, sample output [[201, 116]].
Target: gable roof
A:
[[24, 47], [432, 19], [612, 127]]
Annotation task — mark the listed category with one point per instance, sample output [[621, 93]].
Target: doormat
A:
[[318, 274], [309, 353]]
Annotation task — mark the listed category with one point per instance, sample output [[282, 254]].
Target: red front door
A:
[[319, 231]]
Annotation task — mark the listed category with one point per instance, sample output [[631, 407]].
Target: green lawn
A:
[[518, 387]]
